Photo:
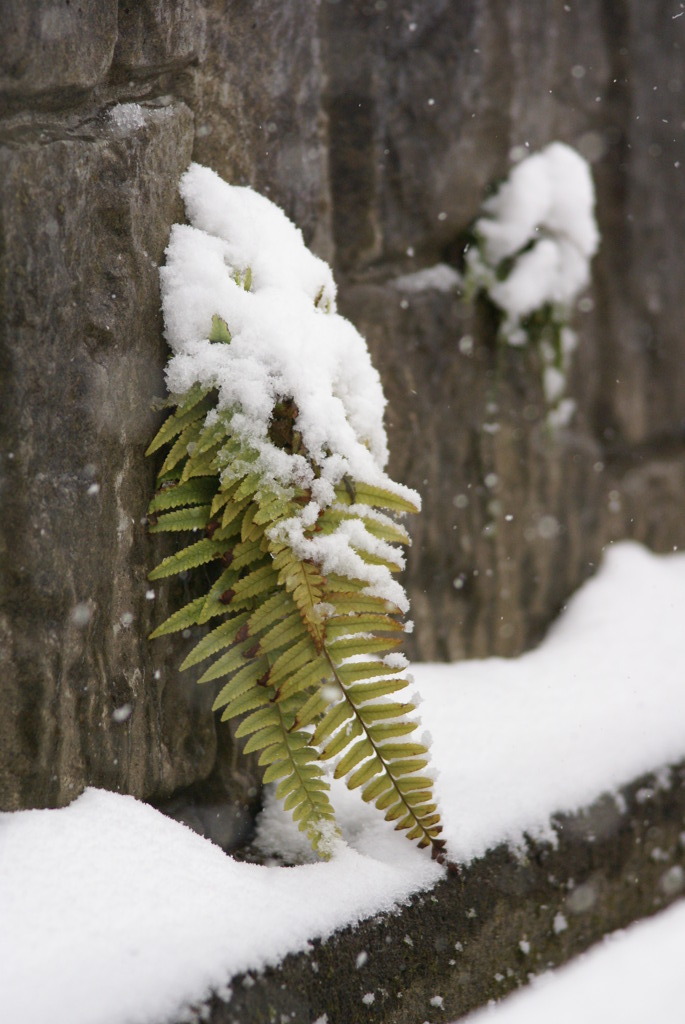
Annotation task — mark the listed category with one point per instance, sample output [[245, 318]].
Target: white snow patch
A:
[[559, 924], [110, 889], [534, 244], [542, 218], [440, 278], [128, 116]]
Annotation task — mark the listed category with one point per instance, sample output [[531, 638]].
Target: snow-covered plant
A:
[[275, 454], [530, 256]]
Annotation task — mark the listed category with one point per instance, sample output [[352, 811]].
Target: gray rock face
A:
[[420, 126], [54, 49], [86, 699], [257, 98], [379, 128], [156, 36]]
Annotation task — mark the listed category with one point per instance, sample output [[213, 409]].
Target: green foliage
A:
[[299, 656]]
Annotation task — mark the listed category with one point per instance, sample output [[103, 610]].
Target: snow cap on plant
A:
[[531, 257]]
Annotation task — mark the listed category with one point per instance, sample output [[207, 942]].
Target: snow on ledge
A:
[[111, 913]]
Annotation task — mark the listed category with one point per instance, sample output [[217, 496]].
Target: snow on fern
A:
[[288, 344], [531, 257]]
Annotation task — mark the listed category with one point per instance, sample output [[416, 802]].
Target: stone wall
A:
[[379, 128]]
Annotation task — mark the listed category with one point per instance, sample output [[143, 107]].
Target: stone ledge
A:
[[477, 936]]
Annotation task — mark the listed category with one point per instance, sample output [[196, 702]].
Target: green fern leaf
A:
[[196, 492], [259, 581], [341, 739], [362, 645], [379, 785], [312, 709], [263, 738], [257, 697], [310, 674], [354, 755], [375, 497], [332, 720], [179, 450], [355, 603], [185, 617], [231, 661], [201, 463], [367, 771], [243, 680], [275, 607], [384, 730], [201, 552], [194, 518], [354, 671], [346, 625], [295, 649], [376, 688], [221, 637], [284, 633], [388, 709], [219, 331], [196, 406]]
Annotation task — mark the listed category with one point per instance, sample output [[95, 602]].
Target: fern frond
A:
[[375, 497], [347, 625], [259, 581], [201, 463], [189, 558], [195, 492], [219, 331], [195, 517], [185, 617], [179, 450], [298, 653], [195, 406], [275, 607], [224, 635], [244, 679]]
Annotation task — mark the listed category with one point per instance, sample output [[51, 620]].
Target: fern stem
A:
[[437, 845]]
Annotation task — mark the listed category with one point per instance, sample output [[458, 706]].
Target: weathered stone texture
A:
[[87, 700], [55, 48], [421, 125], [157, 36], [512, 517], [257, 98]]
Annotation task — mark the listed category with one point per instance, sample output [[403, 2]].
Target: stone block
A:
[[257, 99], [87, 700], [512, 512], [157, 35], [54, 49]]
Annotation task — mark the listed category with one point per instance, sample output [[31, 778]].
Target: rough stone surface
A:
[[54, 48], [156, 35], [463, 940], [85, 219], [512, 517], [420, 126], [257, 98]]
